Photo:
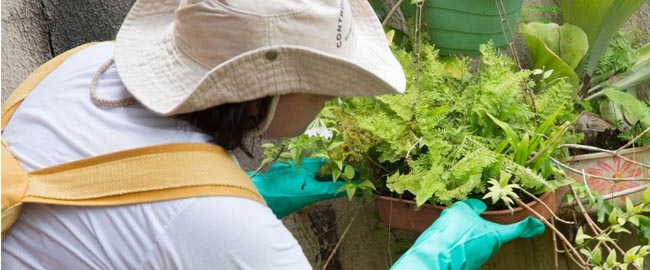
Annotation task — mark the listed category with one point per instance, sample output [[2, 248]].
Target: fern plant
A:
[[447, 136]]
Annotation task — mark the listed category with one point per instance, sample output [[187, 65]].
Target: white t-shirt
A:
[[58, 123]]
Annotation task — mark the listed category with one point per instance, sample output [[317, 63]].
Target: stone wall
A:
[[35, 30]]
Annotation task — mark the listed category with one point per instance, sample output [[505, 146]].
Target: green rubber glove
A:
[[461, 239], [286, 189]]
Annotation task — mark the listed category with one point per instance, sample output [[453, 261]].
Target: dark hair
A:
[[228, 124]]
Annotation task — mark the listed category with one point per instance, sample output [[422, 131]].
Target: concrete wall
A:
[[35, 30]]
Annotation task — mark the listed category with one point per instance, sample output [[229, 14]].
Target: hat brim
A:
[[168, 82]]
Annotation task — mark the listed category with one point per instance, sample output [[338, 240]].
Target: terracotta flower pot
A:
[[401, 214], [603, 164]]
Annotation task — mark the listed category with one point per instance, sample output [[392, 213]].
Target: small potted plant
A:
[[453, 135]]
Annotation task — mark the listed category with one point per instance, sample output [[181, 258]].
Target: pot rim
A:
[[605, 155], [544, 196]]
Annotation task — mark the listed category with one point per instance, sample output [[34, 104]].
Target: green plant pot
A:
[[460, 26]]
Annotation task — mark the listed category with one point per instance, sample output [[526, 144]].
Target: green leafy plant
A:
[[450, 133], [591, 52], [556, 48], [601, 20], [594, 246]]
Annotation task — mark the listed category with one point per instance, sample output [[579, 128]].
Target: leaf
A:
[[597, 256], [348, 173], [510, 133], [268, 145], [631, 104], [581, 237], [630, 254], [368, 185], [636, 75], [620, 229], [644, 54], [296, 155], [336, 173], [613, 216], [334, 145], [320, 155], [454, 67], [611, 259], [600, 20], [629, 206], [543, 57], [646, 196], [350, 189], [644, 227], [339, 164], [568, 41], [621, 221]]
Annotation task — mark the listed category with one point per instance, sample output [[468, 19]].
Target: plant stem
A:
[[555, 250], [564, 127], [562, 237], [542, 203], [633, 140], [612, 195], [573, 258], [274, 160], [585, 86], [345, 232], [593, 224]]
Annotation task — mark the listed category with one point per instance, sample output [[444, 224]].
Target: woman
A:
[[213, 71]]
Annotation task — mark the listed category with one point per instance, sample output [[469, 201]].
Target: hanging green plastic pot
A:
[[460, 26]]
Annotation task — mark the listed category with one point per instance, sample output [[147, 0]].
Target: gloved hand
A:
[[286, 189], [461, 239]]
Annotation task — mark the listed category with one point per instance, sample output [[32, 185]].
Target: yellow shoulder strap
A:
[[115, 178], [26, 87], [133, 176]]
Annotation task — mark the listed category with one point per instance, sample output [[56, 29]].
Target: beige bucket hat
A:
[[178, 56]]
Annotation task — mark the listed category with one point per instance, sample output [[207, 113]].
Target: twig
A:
[[376, 164], [633, 140], [612, 195], [585, 86], [391, 12], [591, 223], [274, 160], [545, 206], [408, 153], [549, 145], [584, 180], [555, 257], [571, 256], [562, 237], [596, 149], [329, 258], [559, 163]]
